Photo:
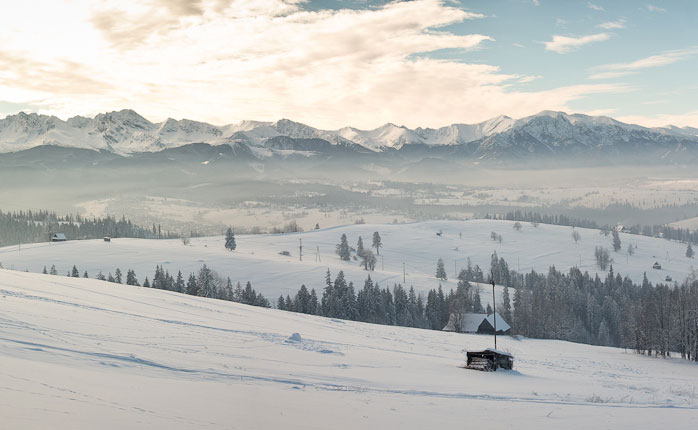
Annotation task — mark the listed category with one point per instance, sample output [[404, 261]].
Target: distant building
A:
[[58, 237], [476, 323], [107, 239], [657, 266]]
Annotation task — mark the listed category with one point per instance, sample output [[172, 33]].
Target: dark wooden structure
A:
[[58, 237], [489, 360], [107, 239]]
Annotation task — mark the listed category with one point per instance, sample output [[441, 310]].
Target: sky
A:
[[361, 63]]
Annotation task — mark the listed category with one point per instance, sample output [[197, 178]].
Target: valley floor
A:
[[79, 353]]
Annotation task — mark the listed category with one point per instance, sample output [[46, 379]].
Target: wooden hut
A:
[[489, 360], [58, 237]]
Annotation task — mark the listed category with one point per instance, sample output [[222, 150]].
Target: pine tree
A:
[[360, 248], [616, 241], [110, 277], [179, 284], [281, 303], [117, 276], [377, 242], [131, 278], [75, 273], [45, 272], [205, 281], [689, 251], [146, 283], [100, 276], [230, 240], [53, 270], [84, 275], [441, 270], [506, 304], [343, 248], [192, 285], [477, 302]]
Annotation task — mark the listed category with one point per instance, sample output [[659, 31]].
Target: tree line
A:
[[206, 282], [38, 226]]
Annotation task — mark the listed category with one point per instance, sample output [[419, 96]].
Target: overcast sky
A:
[[333, 63]]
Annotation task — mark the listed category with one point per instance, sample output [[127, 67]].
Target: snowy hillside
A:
[[126, 132], [258, 260], [81, 354]]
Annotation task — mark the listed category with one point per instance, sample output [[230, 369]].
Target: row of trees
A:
[[573, 306], [672, 233], [205, 283], [390, 306], [31, 227], [368, 259]]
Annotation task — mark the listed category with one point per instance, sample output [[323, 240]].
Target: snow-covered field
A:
[[257, 257], [83, 354]]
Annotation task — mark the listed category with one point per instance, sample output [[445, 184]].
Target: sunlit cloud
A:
[[653, 8], [594, 6], [223, 61], [615, 70], [565, 44], [613, 25]]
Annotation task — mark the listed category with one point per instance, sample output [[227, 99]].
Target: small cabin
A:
[[107, 239], [657, 266], [668, 278], [477, 323], [58, 237], [489, 360]]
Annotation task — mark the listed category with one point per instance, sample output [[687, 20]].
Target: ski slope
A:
[[81, 354], [257, 257]]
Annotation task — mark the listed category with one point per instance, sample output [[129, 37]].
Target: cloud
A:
[[596, 7], [653, 8], [613, 25], [535, 2], [564, 44], [689, 119], [222, 61], [609, 71]]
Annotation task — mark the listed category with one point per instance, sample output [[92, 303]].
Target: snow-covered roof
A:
[[59, 236], [470, 323]]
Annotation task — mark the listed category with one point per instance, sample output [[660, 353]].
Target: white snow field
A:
[[257, 257], [83, 354]]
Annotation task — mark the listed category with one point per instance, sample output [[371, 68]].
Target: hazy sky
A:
[[331, 63]]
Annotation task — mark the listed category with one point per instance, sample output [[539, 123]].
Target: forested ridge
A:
[[38, 226]]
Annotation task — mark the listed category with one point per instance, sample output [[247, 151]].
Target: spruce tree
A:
[[146, 283], [616, 241], [281, 303], [117, 276], [377, 242], [360, 248], [75, 273], [53, 270], [179, 284], [192, 286], [230, 240], [84, 275], [343, 248], [45, 272], [689, 251], [441, 270]]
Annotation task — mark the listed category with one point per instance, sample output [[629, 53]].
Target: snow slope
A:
[[257, 257], [83, 354]]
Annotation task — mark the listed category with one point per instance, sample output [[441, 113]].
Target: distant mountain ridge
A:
[[547, 133]]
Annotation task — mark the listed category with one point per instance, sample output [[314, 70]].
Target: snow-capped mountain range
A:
[[547, 133]]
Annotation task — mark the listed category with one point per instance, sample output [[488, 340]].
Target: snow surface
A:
[[257, 257], [85, 354]]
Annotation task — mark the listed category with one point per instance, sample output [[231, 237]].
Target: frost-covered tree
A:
[[343, 248], [53, 270], [616, 241], [602, 257], [576, 236], [360, 248], [517, 226], [180, 287], [131, 277], [146, 283], [117, 276], [230, 240], [206, 282], [192, 286], [441, 270], [75, 273], [368, 260], [689, 251], [377, 242]]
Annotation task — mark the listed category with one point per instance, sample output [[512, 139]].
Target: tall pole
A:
[[494, 313], [300, 254], [404, 277]]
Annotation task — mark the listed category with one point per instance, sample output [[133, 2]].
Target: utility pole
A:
[[494, 313], [382, 263], [404, 276], [317, 254], [300, 254], [455, 271]]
